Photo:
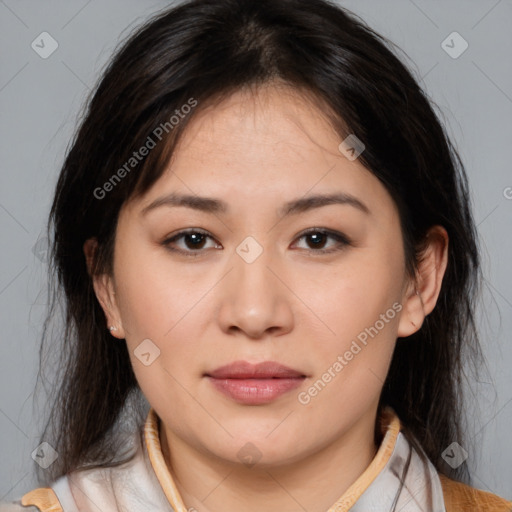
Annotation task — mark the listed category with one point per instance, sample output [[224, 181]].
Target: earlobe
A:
[[104, 290], [422, 294], [413, 314]]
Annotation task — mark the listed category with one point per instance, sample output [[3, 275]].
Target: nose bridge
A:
[[252, 261], [255, 301]]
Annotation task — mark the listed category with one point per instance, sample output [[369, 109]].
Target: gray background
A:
[[39, 101]]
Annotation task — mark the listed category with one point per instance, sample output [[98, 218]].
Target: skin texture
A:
[[293, 304]]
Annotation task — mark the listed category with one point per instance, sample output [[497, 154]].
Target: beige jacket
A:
[[145, 484]]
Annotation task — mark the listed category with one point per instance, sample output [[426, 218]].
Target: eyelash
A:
[[339, 237]]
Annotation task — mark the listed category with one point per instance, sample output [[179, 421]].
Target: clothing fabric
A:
[[146, 485]]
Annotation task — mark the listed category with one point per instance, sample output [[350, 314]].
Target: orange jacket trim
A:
[[461, 497], [44, 498]]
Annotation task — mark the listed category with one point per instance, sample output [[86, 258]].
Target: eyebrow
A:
[[296, 206]]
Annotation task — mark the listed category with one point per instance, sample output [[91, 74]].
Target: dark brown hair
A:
[[205, 50]]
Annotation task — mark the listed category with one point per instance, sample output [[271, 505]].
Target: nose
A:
[[254, 298]]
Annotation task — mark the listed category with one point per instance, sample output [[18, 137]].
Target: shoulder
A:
[[114, 486], [460, 497], [100, 481]]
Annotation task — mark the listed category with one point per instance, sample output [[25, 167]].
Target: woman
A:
[[262, 229]]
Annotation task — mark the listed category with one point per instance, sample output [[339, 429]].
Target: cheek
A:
[[157, 302], [352, 365], [355, 295], [359, 308], [151, 297]]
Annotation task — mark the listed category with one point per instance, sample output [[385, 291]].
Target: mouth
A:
[[255, 384]]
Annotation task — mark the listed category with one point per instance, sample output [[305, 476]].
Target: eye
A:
[[317, 237], [194, 241]]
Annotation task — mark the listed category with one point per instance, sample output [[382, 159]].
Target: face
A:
[[319, 288]]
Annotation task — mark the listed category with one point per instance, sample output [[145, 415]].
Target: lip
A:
[[255, 384], [246, 370]]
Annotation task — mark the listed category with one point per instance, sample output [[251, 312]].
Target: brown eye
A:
[[316, 240], [194, 241]]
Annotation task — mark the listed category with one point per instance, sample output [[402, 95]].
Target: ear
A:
[[104, 289], [421, 295]]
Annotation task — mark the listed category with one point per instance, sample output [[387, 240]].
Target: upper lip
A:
[[246, 370]]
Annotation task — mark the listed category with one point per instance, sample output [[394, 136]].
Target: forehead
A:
[[269, 146], [263, 123]]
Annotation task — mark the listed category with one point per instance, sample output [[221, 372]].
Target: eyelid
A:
[[326, 231]]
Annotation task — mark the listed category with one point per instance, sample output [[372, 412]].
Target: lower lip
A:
[[255, 391]]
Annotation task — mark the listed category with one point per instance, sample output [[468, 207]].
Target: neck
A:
[[210, 484]]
